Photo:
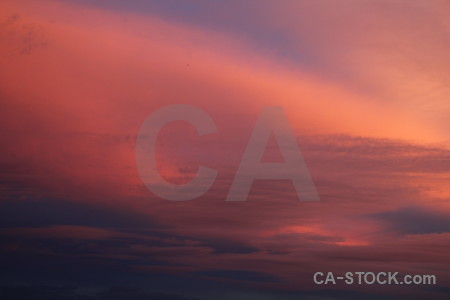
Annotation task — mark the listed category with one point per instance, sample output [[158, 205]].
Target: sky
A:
[[364, 86]]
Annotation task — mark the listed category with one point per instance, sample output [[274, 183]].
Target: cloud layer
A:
[[364, 88]]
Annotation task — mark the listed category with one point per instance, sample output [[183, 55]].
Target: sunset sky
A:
[[365, 86]]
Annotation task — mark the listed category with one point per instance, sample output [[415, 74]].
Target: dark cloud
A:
[[239, 275], [133, 293], [229, 246], [415, 220], [48, 212], [74, 293], [364, 154]]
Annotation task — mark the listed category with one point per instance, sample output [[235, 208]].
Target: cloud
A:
[[79, 80], [415, 220], [50, 212], [61, 293]]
